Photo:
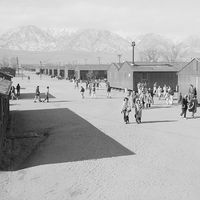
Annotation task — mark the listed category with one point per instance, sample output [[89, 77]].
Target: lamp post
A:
[[40, 69], [119, 56], [99, 59], [22, 71], [133, 45], [17, 61]]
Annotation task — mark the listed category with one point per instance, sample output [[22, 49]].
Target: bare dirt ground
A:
[[87, 152]]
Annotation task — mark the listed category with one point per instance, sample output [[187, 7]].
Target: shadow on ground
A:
[[158, 121], [32, 95], [195, 117], [70, 138], [59, 101], [159, 106]]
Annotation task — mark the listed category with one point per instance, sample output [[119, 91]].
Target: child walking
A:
[[37, 94], [82, 92], [184, 106], [90, 89], [47, 95], [126, 109], [94, 90], [192, 106], [108, 90], [138, 111]]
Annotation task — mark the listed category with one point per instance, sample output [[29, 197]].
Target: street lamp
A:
[[99, 59], [133, 45], [17, 61], [119, 56]]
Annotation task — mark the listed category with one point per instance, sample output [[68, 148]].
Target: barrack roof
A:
[[5, 74], [93, 67], [5, 86], [157, 66]]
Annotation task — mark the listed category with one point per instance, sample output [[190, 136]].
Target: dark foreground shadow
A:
[[32, 95], [70, 138]]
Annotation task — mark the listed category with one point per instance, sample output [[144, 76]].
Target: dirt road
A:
[[91, 154]]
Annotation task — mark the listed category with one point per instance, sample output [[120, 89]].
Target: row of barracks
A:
[[177, 75], [78, 71], [5, 85]]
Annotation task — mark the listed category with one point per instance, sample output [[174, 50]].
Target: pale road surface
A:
[[156, 160]]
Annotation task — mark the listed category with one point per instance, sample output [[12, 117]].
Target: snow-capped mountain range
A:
[[32, 38], [31, 43]]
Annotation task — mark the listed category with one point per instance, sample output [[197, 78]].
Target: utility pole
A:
[[22, 72], [17, 60], [133, 45], [40, 69], [119, 56], [99, 59]]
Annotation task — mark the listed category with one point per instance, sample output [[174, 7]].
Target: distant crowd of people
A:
[[142, 98], [92, 86]]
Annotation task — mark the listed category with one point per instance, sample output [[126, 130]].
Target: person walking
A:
[[138, 111], [12, 93], [184, 106], [47, 95], [18, 90], [164, 90], [192, 106], [90, 89], [134, 97], [155, 88], [148, 100], [171, 96], [82, 92], [159, 92], [192, 92], [87, 84], [108, 90], [151, 95], [167, 98], [94, 90], [180, 98], [126, 109], [37, 94]]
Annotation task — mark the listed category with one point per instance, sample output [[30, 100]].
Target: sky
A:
[[171, 18]]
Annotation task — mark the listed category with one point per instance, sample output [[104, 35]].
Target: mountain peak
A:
[[32, 38]]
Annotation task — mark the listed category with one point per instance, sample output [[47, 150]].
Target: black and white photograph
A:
[[99, 100]]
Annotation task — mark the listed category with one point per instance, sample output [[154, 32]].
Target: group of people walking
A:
[[127, 107], [134, 101], [91, 87], [13, 94], [144, 98], [189, 102], [165, 92], [37, 95], [137, 101]]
